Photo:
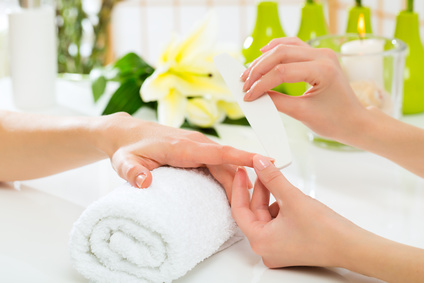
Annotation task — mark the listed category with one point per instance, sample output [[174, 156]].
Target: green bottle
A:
[[267, 27], [354, 13], [407, 29], [312, 25]]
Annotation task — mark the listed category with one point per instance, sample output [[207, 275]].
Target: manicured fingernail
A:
[[243, 76], [247, 95], [262, 162], [140, 180]]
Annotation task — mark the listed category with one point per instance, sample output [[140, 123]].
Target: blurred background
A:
[[145, 26]]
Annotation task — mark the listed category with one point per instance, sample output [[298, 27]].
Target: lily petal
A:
[[202, 112], [171, 109], [231, 109]]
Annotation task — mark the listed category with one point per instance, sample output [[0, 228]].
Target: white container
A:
[[33, 55]]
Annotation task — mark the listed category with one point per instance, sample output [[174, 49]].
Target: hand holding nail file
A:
[[262, 114]]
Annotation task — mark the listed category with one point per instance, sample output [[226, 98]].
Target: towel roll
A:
[[155, 234]]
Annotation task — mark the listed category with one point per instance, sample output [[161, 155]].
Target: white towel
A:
[[155, 234]]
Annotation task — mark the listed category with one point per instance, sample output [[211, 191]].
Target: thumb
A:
[[290, 105], [271, 177], [132, 170]]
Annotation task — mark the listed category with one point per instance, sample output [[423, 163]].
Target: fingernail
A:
[[261, 163], [247, 95], [140, 180], [243, 77]]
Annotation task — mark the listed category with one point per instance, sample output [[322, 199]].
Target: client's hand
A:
[[138, 146]]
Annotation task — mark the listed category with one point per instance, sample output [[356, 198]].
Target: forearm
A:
[[383, 135], [33, 146], [377, 257]]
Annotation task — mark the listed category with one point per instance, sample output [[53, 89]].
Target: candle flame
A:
[[361, 25]]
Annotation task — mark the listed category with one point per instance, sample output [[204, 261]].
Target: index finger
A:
[[215, 154]]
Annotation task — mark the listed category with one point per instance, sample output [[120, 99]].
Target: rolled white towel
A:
[[155, 234]]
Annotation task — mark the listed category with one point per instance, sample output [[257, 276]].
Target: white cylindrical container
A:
[[33, 55]]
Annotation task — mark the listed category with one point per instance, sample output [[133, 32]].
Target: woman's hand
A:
[[330, 107], [136, 147], [296, 229]]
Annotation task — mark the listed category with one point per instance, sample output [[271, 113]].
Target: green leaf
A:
[[206, 131], [132, 66], [126, 98], [242, 121], [98, 87]]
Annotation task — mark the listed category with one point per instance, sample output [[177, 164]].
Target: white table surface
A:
[[367, 189]]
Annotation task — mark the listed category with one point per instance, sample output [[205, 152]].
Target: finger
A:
[[132, 170], [273, 179], [294, 41], [281, 54], [284, 73], [224, 174], [240, 201], [260, 202], [215, 154], [294, 106], [284, 40]]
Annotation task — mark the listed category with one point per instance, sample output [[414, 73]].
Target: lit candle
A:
[[366, 62]]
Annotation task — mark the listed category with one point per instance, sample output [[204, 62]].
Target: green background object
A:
[[407, 29], [352, 21]]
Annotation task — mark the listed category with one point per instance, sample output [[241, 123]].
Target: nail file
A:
[[262, 114]]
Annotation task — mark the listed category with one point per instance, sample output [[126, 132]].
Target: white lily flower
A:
[[231, 109], [186, 70], [203, 112]]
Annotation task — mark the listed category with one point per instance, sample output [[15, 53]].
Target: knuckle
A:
[[196, 135], [280, 69], [328, 67], [329, 53], [281, 51], [270, 177]]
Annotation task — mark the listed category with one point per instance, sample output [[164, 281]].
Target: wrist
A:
[[117, 130]]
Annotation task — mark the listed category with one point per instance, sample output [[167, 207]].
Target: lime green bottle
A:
[[407, 29], [267, 27], [354, 13], [312, 25]]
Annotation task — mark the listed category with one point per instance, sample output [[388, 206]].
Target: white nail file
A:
[[262, 114]]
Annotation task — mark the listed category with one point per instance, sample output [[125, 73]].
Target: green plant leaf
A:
[[242, 121], [206, 131], [126, 98], [98, 87], [132, 66]]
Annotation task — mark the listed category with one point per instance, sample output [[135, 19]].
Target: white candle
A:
[[367, 65]]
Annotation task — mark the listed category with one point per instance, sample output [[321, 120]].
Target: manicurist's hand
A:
[[298, 230], [136, 147], [295, 230], [330, 108]]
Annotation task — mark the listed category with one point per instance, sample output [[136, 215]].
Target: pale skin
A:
[[284, 234], [33, 146]]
